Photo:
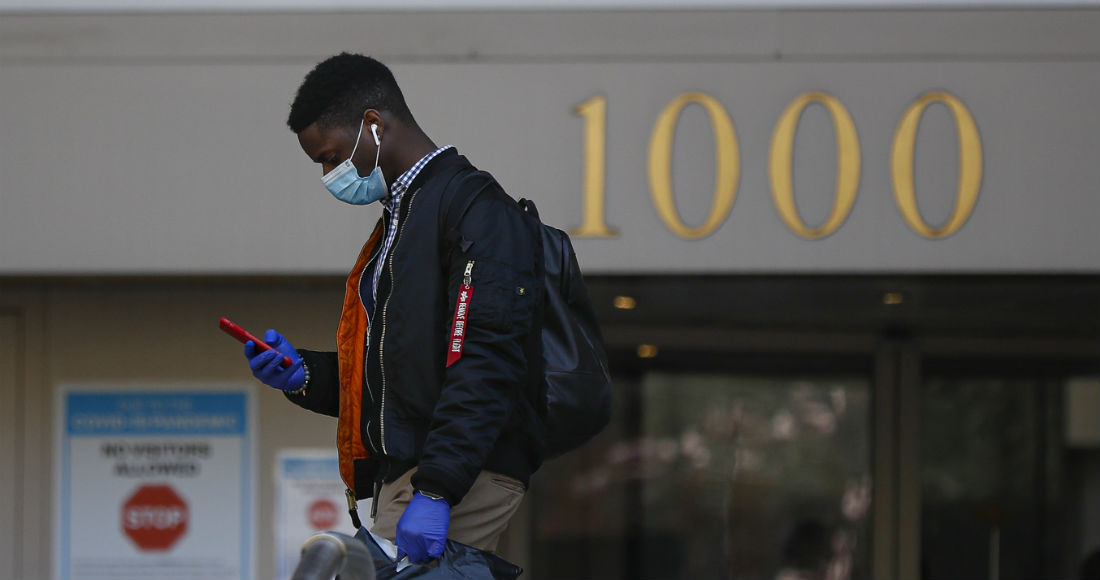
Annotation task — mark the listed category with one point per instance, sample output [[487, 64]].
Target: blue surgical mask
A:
[[344, 181]]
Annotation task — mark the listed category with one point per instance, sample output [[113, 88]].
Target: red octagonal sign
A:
[[323, 514], [155, 517]]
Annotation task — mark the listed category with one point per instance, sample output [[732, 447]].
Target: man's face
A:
[[333, 145]]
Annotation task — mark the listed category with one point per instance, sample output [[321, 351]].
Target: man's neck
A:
[[415, 150]]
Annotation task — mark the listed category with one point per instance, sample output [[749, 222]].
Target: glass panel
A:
[[579, 504], [754, 477], [1082, 464], [714, 476], [1003, 495]]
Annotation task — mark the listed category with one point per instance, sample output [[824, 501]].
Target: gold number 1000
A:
[[780, 161]]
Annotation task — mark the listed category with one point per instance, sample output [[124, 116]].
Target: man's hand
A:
[[422, 529], [265, 364]]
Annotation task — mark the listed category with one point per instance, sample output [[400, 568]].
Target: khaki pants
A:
[[478, 520]]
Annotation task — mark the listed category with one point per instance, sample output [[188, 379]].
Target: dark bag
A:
[[575, 377], [458, 561]]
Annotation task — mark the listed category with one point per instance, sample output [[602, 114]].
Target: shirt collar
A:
[[401, 184]]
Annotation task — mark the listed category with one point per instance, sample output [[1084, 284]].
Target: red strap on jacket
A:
[[458, 326]]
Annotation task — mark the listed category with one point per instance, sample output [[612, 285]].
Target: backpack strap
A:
[[529, 207], [452, 235]]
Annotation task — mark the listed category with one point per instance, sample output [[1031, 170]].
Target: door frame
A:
[[28, 534], [896, 379]]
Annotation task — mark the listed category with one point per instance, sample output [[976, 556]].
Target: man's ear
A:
[[374, 117]]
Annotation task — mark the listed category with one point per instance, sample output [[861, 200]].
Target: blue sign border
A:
[[166, 413]]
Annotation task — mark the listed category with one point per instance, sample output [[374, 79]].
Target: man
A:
[[436, 375]]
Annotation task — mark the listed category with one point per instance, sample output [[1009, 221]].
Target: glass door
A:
[[716, 474], [743, 476], [1009, 472]]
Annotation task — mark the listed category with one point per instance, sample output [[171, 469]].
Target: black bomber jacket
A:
[[479, 413]]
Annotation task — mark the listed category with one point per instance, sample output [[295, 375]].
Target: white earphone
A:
[[374, 131]]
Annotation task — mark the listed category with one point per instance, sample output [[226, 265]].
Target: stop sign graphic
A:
[[323, 514], [155, 517]]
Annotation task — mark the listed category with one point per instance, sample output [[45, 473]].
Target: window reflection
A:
[[1005, 491], [716, 476]]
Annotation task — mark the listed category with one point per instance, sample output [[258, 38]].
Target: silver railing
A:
[[327, 554]]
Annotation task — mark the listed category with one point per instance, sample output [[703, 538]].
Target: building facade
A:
[[846, 260]]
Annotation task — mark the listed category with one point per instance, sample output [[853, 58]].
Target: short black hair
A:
[[340, 88]]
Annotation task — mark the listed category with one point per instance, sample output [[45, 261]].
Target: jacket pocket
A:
[[500, 299]]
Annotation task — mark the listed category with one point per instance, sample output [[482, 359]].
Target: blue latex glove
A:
[[422, 529], [265, 364]]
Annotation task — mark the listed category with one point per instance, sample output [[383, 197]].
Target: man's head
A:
[[336, 97]]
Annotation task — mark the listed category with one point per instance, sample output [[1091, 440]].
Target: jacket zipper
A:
[[353, 504], [467, 276], [366, 348], [382, 336]]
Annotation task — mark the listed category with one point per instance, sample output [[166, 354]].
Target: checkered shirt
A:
[[392, 205]]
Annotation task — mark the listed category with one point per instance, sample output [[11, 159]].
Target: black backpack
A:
[[576, 380]]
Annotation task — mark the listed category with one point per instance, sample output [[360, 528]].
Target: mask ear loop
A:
[[357, 137]]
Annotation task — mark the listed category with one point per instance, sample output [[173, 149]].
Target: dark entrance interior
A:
[[750, 409]]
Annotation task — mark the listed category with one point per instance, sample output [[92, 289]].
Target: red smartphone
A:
[[244, 336]]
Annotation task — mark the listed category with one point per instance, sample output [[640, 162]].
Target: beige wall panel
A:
[[156, 144], [148, 334], [11, 439], [25, 427], [941, 34], [554, 35], [189, 169], [394, 35]]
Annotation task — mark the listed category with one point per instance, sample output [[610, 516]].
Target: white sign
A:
[[155, 484], [310, 500]]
